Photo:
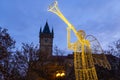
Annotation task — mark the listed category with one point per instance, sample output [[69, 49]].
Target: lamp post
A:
[[60, 75]]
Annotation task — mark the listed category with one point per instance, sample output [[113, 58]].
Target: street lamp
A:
[[60, 74]]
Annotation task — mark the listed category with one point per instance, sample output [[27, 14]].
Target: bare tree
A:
[[114, 48], [7, 44], [29, 55]]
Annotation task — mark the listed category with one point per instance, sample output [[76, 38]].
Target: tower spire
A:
[[52, 32], [40, 29], [46, 28]]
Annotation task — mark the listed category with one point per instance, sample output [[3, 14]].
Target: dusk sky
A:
[[23, 19]]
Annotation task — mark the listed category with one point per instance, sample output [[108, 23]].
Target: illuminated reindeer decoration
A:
[[83, 59]]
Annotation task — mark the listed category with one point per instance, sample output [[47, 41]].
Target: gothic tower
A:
[[46, 41]]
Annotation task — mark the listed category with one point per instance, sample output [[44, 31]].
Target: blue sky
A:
[[23, 19]]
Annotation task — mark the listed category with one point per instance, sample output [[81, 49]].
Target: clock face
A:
[[46, 40]]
